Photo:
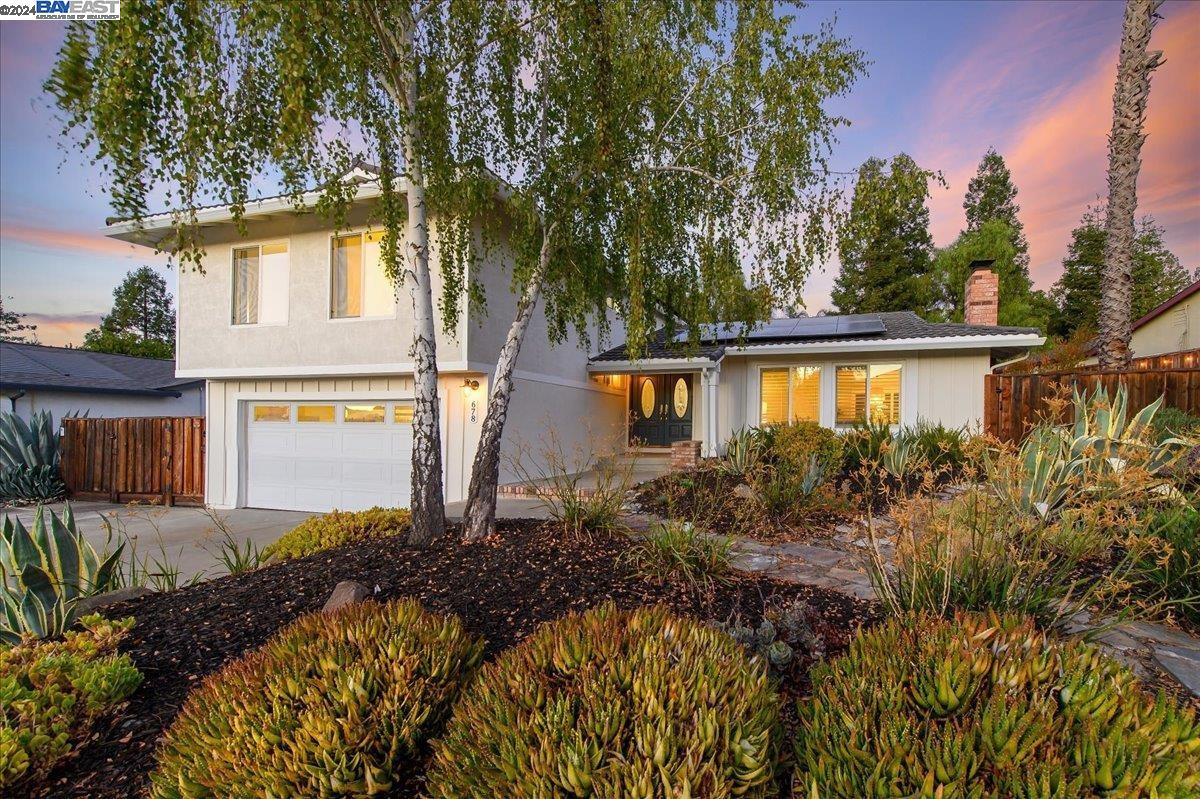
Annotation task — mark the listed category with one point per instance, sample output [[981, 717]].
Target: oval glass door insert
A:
[[681, 398], [647, 398]]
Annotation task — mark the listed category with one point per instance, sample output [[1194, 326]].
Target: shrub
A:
[[338, 528], [676, 547], [987, 706], [44, 572], [334, 705], [742, 452], [612, 703], [29, 459], [1175, 423], [1169, 566], [53, 692], [792, 446]]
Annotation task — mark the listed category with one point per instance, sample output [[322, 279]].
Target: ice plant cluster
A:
[[634, 704], [335, 705], [988, 706]]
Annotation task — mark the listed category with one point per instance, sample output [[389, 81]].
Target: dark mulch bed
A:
[[502, 588]]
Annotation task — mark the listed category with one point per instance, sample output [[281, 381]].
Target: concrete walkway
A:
[[186, 537]]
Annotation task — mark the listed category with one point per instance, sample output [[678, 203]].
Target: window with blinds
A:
[[873, 390], [260, 284], [790, 395]]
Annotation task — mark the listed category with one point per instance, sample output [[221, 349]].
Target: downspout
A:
[[12, 399]]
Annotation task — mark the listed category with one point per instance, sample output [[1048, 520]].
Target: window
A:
[[314, 413], [875, 388], [359, 286], [260, 285], [792, 394], [402, 413], [363, 413], [272, 413]]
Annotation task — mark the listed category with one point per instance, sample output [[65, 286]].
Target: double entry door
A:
[[660, 409]]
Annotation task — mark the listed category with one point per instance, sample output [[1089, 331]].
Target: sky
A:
[[946, 81]]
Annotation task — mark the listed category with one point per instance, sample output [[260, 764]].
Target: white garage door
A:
[[323, 455]]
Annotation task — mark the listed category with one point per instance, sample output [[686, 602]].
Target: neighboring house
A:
[[304, 349], [35, 377], [1174, 326]]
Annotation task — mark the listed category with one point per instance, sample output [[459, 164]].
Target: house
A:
[[304, 350], [62, 380], [1173, 326]]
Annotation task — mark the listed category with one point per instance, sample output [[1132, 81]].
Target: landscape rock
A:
[[347, 592], [93, 603], [743, 491]]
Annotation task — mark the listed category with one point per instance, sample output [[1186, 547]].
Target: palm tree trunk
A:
[[1124, 160]]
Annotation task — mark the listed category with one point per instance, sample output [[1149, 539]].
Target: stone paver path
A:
[[838, 562]]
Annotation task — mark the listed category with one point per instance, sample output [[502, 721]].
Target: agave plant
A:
[[742, 452], [45, 572], [29, 458], [1104, 430]]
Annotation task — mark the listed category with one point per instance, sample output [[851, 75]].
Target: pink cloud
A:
[[60, 330], [74, 241]]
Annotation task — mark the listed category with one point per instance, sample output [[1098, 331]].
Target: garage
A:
[[317, 456]]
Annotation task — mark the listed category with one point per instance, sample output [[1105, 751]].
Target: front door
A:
[[660, 409]]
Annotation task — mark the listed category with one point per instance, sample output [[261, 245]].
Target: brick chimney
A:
[[982, 298]]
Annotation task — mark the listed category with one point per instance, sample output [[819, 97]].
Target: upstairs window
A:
[[359, 286], [873, 390], [260, 284]]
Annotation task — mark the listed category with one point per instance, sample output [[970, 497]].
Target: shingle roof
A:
[[896, 324], [66, 369]]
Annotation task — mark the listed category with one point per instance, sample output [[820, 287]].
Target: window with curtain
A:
[[260, 284], [873, 389], [360, 287], [790, 395]]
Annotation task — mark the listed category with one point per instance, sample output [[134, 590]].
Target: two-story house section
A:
[[304, 350]]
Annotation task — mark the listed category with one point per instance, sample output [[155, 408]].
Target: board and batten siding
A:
[[227, 399], [950, 388]]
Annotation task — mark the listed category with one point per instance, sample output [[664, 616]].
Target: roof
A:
[[887, 328], [66, 369], [1168, 305]]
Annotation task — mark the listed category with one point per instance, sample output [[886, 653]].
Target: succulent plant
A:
[[29, 458], [742, 452], [610, 703], [52, 692], [335, 705], [337, 528], [45, 571], [986, 706]]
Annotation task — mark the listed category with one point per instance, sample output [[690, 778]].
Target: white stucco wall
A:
[[310, 342], [1176, 329], [225, 430], [61, 403]]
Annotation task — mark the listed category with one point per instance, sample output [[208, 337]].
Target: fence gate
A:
[[1013, 403], [157, 459]]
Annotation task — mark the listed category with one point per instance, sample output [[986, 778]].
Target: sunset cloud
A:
[[73, 241], [61, 330]]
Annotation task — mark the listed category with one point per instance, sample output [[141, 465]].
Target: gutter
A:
[[897, 344], [143, 392]]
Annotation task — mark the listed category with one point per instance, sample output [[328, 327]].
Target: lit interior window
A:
[[272, 413], [363, 413], [314, 413]]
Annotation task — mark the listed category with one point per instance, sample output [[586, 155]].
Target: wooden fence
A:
[[1013, 403], [157, 459]]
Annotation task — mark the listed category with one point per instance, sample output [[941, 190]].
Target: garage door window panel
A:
[[272, 413], [319, 414], [363, 414]]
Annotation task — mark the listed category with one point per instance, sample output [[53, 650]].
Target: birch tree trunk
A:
[[427, 500], [1124, 160], [485, 471]]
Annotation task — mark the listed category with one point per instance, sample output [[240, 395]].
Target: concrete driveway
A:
[[187, 536]]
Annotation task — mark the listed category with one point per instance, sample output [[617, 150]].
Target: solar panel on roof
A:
[[860, 325]]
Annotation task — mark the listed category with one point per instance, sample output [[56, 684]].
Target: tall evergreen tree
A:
[[991, 240], [991, 195], [14, 328], [142, 319], [885, 248], [1157, 273]]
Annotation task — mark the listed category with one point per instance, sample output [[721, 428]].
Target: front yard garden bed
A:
[[502, 589]]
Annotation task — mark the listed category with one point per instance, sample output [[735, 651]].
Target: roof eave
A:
[[142, 392], [653, 364], [1006, 340]]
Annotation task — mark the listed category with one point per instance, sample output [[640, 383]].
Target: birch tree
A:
[[1124, 162], [187, 103], [666, 157]]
